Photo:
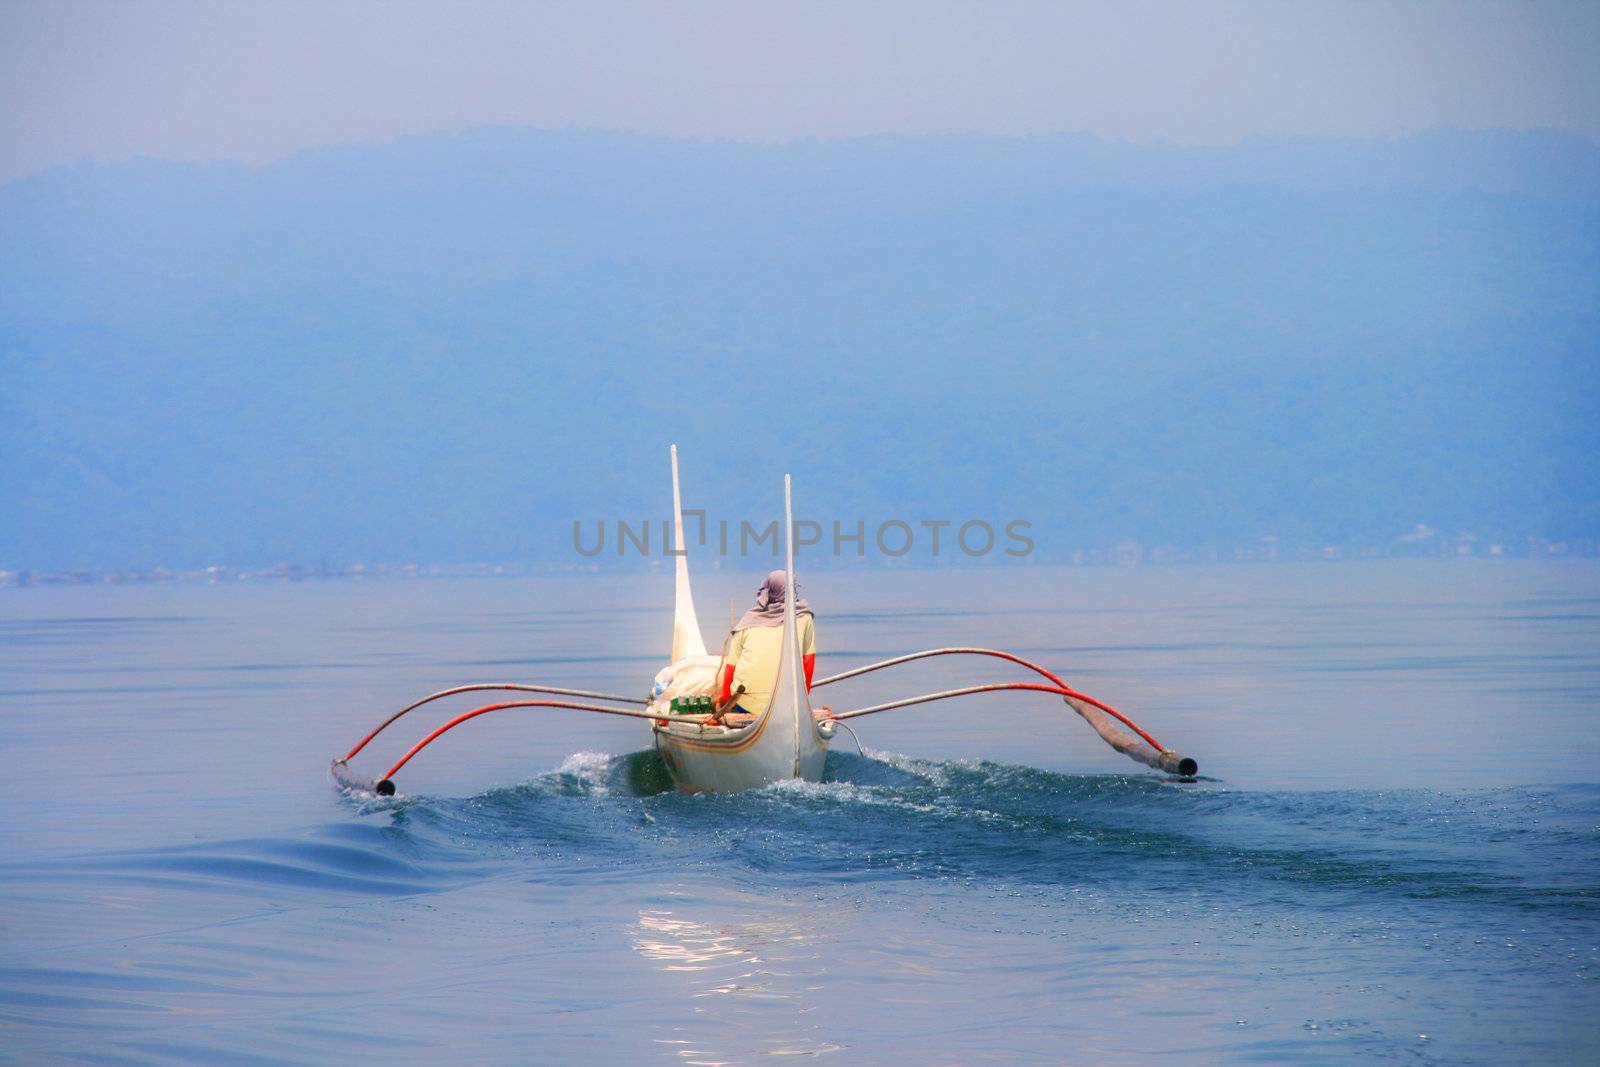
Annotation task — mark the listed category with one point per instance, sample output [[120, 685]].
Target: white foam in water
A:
[[879, 794], [591, 767]]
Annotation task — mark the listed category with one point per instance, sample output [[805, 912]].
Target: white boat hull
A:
[[785, 742], [715, 760]]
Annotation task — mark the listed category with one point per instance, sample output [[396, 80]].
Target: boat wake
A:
[[886, 815], [749, 897]]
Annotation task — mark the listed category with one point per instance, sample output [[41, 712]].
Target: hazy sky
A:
[[254, 81]]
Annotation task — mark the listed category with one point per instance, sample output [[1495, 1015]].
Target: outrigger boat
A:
[[725, 753]]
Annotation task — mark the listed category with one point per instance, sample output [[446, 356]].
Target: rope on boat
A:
[[480, 687], [1160, 758], [846, 728], [1066, 690]]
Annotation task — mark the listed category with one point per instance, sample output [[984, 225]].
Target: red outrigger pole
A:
[[1161, 757], [479, 687], [1066, 690]]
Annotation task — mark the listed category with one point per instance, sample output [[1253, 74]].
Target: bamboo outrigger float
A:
[[787, 740]]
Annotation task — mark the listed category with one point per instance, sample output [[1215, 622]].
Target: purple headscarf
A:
[[769, 603]]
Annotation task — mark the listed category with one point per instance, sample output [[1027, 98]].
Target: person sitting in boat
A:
[[753, 648]]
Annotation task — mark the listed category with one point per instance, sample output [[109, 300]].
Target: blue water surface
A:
[[1393, 853]]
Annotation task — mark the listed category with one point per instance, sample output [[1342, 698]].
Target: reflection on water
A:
[[1401, 836], [756, 976]]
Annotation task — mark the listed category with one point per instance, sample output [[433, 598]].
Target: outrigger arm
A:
[[479, 687], [384, 786], [1145, 748], [1162, 759]]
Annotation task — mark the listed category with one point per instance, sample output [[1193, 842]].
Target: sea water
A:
[[1393, 852]]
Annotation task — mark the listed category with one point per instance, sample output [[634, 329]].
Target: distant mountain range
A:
[[449, 347]]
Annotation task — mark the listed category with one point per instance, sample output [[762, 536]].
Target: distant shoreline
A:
[[1125, 555]]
